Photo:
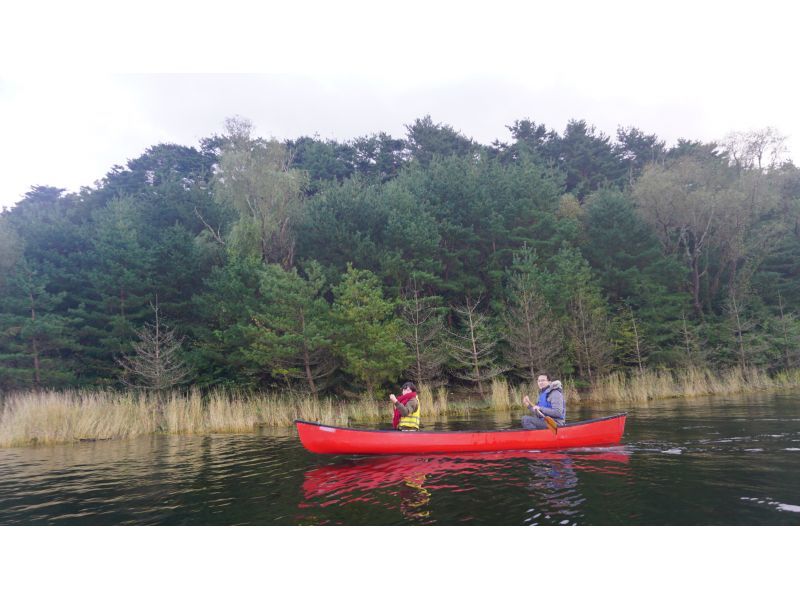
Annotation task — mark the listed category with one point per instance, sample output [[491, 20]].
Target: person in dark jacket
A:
[[551, 402]]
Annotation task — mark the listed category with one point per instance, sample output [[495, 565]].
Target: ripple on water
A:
[[773, 503], [270, 479]]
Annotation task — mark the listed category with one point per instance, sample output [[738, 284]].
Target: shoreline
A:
[[57, 417]]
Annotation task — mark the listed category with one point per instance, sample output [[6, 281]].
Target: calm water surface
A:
[[718, 461]]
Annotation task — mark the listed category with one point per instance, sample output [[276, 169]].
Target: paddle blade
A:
[[551, 423]]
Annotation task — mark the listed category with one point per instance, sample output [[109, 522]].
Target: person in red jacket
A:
[[406, 408]]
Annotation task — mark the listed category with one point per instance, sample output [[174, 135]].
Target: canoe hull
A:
[[322, 439]]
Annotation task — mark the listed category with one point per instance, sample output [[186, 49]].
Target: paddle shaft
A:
[[551, 423]]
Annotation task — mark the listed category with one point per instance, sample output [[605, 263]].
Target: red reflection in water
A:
[[409, 472]]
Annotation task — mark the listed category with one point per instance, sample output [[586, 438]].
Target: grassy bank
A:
[[70, 416]]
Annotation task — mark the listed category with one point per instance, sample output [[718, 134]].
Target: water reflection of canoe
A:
[[319, 438], [383, 472]]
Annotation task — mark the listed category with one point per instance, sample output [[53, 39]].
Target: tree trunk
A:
[[307, 358], [696, 286], [636, 338], [37, 374], [740, 340]]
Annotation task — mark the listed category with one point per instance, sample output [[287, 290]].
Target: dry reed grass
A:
[[501, 395], [50, 417], [689, 383]]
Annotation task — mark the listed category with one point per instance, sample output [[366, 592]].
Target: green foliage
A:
[[620, 247], [577, 296], [289, 264], [253, 176], [588, 158], [423, 333], [533, 333], [636, 150], [367, 336], [472, 344], [291, 330], [379, 228], [34, 340], [427, 139], [220, 349]]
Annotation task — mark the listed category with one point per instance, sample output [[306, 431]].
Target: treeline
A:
[[343, 266]]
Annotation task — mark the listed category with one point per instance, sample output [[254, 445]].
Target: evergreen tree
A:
[[367, 336], [585, 312], [117, 287], [380, 157], [588, 159], [747, 338], [322, 160], [636, 277], [382, 228], [636, 150], [219, 350], [34, 339], [291, 330], [427, 139], [630, 348]]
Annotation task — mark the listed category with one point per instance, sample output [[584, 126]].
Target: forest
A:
[[345, 267]]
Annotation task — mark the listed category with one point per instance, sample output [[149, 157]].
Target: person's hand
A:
[[538, 411], [393, 398], [526, 400]]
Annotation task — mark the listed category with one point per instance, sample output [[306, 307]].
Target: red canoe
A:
[[319, 438]]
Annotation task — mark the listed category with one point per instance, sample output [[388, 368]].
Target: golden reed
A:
[[49, 417]]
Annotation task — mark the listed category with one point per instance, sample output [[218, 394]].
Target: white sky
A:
[[71, 106]]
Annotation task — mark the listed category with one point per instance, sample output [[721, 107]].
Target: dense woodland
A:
[[341, 267]]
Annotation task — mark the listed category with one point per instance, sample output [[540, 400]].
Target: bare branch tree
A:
[[755, 149], [744, 328], [422, 334], [216, 234], [789, 336], [473, 347], [533, 333], [693, 343], [156, 363], [588, 331]]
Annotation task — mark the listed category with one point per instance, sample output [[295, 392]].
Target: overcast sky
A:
[[696, 70]]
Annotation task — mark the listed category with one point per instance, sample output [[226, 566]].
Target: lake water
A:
[[716, 461]]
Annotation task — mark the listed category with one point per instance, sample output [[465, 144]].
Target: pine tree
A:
[[585, 311], [367, 337], [34, 338], [291, 330], [629, 345]]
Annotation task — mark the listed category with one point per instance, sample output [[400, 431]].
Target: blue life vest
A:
[[544, 398]]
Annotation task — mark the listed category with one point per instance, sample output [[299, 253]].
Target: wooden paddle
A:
[[551, 423]]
